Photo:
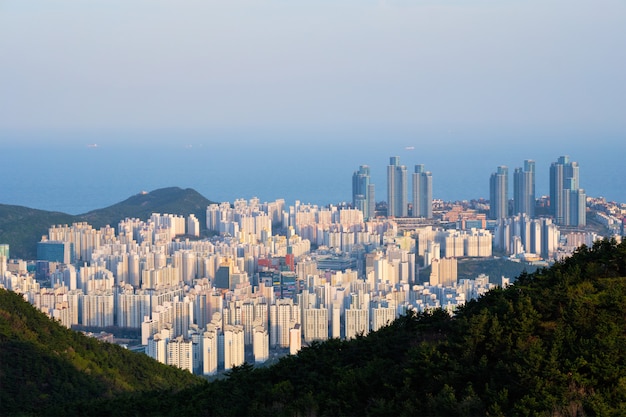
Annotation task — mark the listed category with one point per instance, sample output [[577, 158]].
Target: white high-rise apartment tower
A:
[[234, 353]]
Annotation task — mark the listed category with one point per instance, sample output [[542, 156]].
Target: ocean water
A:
[[76, 178]]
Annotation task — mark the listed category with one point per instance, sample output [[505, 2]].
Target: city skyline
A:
[[263, 277], [206, 305], [113, 175], [293, 120]]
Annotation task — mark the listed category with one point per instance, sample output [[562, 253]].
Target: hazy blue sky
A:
[[146, 70]]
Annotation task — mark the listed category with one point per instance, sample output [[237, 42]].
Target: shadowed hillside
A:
[[45, 364], [22, 227]]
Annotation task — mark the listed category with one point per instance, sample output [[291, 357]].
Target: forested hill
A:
[[22, 227], [43, 364], [552, 344], [172, 200]]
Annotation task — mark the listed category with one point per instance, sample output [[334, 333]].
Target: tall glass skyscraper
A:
[[524, 189], [363, 192], [422, 192], [567, 200], [397, 188], [499, 193]]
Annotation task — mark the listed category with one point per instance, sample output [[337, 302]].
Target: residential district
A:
[[262, 279]]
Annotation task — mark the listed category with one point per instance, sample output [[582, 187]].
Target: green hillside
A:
[[552, 344], [44, 364], [171, 200], [23, 227]]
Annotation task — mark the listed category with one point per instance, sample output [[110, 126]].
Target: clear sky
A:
[[292, 69]]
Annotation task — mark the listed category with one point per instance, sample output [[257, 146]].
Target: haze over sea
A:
[[75, 177], [279, 99]]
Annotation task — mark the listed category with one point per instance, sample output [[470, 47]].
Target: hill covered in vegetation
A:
[[43, 364], [172, 200], [552, 344], [23, 227]]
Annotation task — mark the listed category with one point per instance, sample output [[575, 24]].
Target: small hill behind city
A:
[[22, 227], [172, 200]]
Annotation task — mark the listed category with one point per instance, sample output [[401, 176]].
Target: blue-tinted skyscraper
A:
[[363, 192], [567, 200], [524, 189], [576, 208], [397, 188], [422, 192], [55, 251], [499, 193]]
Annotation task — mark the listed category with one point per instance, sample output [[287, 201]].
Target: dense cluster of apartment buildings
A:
[[267, 277], [207, 305]]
